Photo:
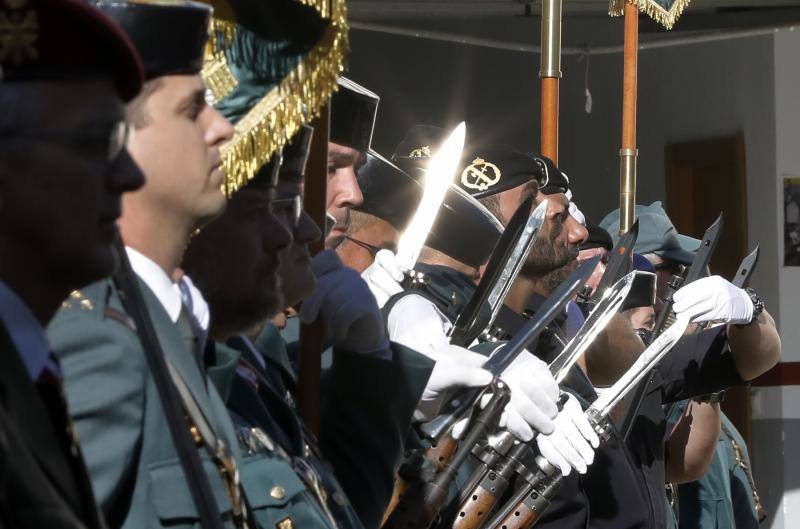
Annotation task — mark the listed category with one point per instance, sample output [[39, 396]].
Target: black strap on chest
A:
[[196, 478]]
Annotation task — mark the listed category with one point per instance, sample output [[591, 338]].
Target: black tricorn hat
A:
[[484, 170], [295, 155], [353, 111], [170, 37], [463, 230]]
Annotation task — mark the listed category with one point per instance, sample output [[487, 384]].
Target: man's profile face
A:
[[63, 168], [234, 261], [177, 144], [358, 253], [343, 192], [296, 278]]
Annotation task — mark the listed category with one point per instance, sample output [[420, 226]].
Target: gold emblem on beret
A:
[[422, 152], [480, 175], [19, 31]]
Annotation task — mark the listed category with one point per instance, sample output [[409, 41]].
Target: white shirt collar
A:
[[166, 290]]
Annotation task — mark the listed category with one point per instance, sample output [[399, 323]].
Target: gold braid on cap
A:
[[665, 17], [295, 101], [216, 75]]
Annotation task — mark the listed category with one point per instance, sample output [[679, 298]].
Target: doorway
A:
[[704, 178]]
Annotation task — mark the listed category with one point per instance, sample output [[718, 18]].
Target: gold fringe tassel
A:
[[216, 74], [297, 99], [666, 18]]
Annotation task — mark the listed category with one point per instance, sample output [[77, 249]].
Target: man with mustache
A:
[[133, 462], [63, 168], [422, 319]]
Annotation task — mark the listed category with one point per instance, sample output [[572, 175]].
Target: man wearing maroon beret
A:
[[65, 73]]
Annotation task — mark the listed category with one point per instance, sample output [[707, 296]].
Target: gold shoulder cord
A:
[[742, 462]]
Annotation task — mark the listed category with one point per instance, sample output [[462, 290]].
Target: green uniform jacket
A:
[[137, 478], [366, 414]]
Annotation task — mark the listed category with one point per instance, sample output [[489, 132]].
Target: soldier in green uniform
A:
[[136, 473], [65, 73]]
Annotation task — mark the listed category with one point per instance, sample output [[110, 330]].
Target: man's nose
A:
[[576, 232]]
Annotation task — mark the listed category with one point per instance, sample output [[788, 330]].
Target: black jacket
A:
[[43, 481]]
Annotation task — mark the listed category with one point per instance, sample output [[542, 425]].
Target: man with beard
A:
[[134, 465], [422, 317], [697, 365], [63, 168]]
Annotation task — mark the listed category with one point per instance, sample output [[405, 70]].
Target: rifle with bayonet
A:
[[542, 482], [504, 264], [421, 504], [619, 265], [501, 460], [697, 269]]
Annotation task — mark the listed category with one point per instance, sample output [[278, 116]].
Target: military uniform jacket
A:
[[699, 364], [362, 435], [43, 481], [134, 467]]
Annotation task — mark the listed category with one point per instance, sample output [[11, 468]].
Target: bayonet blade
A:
[[641, 367], [506, 255], [609, 304], [465, 399], [619, 263], [438, 176], [704, 253], [746, 268]]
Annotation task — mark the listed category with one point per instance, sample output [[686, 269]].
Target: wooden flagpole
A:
[[550, 73], [628, 153]]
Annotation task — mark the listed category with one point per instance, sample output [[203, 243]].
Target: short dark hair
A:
[[137, 115], [492, 203]]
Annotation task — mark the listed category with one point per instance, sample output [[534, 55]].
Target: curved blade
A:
[[746, 268], [609, 304], [440, 173], [646, 361], [619, 263]]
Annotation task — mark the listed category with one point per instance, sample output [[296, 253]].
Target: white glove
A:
[[455, 367], [383, 277], [713, 299], [572, 443], [534, 398]]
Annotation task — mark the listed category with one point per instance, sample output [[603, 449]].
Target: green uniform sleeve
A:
[[366, 416], [104, 378]]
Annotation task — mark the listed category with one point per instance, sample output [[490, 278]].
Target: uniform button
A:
[[277, 492], [340, 499]]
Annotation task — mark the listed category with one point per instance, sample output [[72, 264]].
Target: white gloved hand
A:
[[713, 299], [415, 322], [534, 398], [455, 367], [572, 443], [384, 276]]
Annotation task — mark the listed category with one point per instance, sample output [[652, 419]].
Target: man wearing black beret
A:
[[66, 72]]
